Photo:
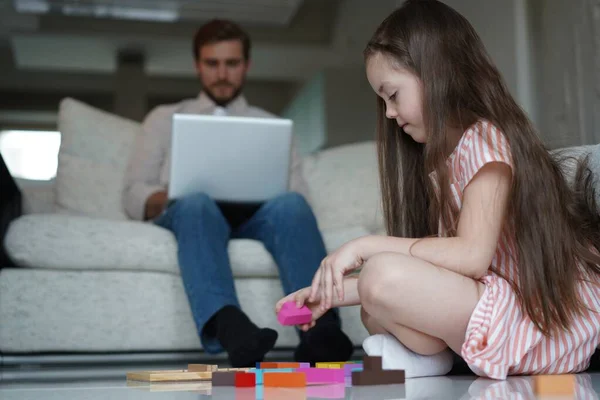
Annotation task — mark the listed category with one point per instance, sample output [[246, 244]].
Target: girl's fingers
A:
[[314, 288], [281, 302], [301, 297], [328, 286], [338, 282], [322, 289]]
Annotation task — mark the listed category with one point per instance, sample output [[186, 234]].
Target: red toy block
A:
[[245, 379], [292, 315]]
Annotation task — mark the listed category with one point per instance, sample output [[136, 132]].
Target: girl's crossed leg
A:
[[424, 306]]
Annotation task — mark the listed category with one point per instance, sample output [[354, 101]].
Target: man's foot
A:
[[253, 349], [245, 343], [324, 342]]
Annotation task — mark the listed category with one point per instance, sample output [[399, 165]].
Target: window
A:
[[30, 155]]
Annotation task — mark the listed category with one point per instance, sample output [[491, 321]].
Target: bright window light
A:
[[30, 155]]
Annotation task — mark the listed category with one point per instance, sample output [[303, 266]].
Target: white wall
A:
[[568, 65]]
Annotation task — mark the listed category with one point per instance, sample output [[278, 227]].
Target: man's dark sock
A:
[[245, 343], [324, 342]]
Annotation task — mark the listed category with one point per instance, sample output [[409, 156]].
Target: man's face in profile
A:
[[222, 70]]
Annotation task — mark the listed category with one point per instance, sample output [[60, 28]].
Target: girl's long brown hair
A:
[[555, 227]]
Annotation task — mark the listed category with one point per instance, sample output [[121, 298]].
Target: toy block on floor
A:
[[329, 365], [224, 378], [292, 315], [266, 365], [245, 379], [554, 385], [260, 373], [290, 379], [322, 376], [383, 377], [234, 370], [348, 368], [168, 376], [202, 368], [372, 363]]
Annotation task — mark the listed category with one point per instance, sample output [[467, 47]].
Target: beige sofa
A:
[[94, 281]]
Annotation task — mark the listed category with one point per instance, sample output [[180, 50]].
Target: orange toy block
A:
[[268, 365], [289, 379], [554, 385]]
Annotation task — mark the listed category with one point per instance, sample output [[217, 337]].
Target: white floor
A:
[[447, 388]]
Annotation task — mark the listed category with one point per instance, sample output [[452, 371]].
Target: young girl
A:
[[490, 252]]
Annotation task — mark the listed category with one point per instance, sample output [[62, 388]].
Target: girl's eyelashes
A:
[[392, 97]]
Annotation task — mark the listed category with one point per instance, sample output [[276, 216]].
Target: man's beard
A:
[[222, 102]]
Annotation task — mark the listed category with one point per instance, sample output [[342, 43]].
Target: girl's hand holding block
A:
[[290, 314]]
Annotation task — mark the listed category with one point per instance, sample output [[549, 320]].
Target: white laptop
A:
[[231, 159]]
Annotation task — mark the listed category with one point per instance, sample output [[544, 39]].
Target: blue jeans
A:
[[285, 225]]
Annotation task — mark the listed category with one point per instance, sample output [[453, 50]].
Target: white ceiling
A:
[[263, 12], [289, 37]]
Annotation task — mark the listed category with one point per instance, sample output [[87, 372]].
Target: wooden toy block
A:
[[290, 379], [224, 378], [304, 365], [234, 370], [554, 385], [202, 368], [320, 376], [245, 379], [260, 373], [199, 387], [292, 315], [168, 376], [372, 363], [383, 377]]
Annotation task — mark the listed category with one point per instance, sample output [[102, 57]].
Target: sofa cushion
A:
[[59, 311], [92, 160], [344, 187], [83, 243]]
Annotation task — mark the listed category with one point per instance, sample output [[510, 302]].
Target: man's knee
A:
[[290, 203], [196, 204]]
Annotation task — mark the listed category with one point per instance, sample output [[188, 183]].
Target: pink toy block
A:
[[320, 376], [292, 315]]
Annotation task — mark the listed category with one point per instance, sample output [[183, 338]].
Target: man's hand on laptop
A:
[[155, 204]]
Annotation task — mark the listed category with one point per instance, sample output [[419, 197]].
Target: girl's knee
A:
[[381, 274]]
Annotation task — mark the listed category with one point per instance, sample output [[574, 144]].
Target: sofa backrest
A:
[[344, 187], [93, 157]]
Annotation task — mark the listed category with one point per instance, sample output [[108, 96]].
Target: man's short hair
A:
[[219, 30]]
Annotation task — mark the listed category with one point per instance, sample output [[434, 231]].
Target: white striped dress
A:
[[500, 340]]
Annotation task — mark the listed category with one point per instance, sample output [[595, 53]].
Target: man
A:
[[286, 224]]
